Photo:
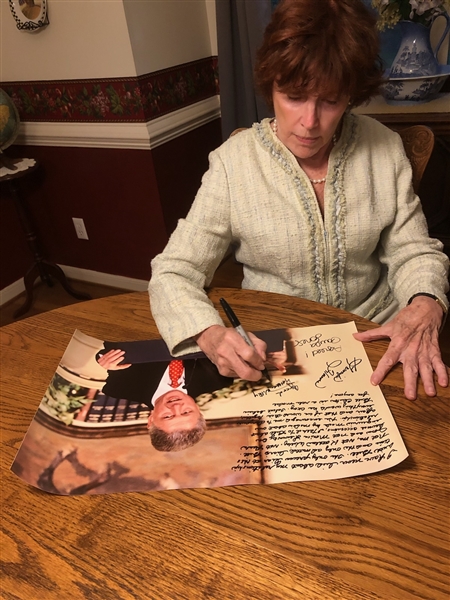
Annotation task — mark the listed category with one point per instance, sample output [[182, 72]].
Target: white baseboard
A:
[[139, 136], [116, 281], [11, 291]]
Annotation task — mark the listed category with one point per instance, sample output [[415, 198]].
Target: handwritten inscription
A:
[[277, 389], [317, 344], [342, 430], [337, 370]]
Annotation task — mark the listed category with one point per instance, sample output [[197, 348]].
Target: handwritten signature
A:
[[316, 341], [336, 373], [279, 388]]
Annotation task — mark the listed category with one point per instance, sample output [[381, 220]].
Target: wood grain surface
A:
[[382, 536]]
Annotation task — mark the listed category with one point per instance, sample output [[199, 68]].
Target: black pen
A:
[[241, 331]]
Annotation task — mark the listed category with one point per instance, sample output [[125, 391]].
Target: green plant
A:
[[64, 399]]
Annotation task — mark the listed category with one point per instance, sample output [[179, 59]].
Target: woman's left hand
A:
[[414, 335]]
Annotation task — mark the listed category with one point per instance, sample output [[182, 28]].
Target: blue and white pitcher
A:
[[415, 57]]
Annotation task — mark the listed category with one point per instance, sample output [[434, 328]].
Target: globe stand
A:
[[40, 268], [7, 162]]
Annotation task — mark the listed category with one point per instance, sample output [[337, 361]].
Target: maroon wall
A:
[[180, 165], [129, 200]]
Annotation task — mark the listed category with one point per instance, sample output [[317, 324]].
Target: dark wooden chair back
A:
[[418, 141]]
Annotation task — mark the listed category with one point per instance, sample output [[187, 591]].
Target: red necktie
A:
[[175, 372]]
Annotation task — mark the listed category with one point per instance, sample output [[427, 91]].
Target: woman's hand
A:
[[112, 359], [414, 335], [231, 354]]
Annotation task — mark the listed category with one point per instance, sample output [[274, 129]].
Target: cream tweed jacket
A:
[[369, 250]]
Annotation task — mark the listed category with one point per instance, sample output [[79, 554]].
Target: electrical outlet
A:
[[80, 228]]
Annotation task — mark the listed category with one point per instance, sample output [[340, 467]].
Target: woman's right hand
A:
[[231, 354]]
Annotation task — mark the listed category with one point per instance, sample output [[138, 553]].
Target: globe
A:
[[9, 121]]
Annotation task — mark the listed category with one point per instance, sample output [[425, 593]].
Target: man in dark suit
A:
[[137, 373], [175, 421]]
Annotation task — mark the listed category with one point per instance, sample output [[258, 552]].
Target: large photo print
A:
[[126, 416]]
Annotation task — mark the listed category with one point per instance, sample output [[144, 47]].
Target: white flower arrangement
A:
[[418, 11]]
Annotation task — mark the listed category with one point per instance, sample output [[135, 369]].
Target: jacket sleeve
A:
[[179, 304], [415, 261]]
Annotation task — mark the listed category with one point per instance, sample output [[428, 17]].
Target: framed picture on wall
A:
[[29, 15]]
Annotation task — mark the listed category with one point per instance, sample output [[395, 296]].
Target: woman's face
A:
[[306, 124]]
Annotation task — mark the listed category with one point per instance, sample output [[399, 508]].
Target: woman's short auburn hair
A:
[[324, 47]]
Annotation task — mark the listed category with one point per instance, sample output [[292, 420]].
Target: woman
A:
[[318, 203]]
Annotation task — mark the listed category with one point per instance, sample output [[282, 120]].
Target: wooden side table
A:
[[40, 268], [434, 114]]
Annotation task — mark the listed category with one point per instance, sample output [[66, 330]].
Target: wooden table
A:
[[379, 536]]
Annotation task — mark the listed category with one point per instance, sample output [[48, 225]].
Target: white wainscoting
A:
[[141, 136]]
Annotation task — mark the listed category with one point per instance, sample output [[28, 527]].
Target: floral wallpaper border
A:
[[123, 99]]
